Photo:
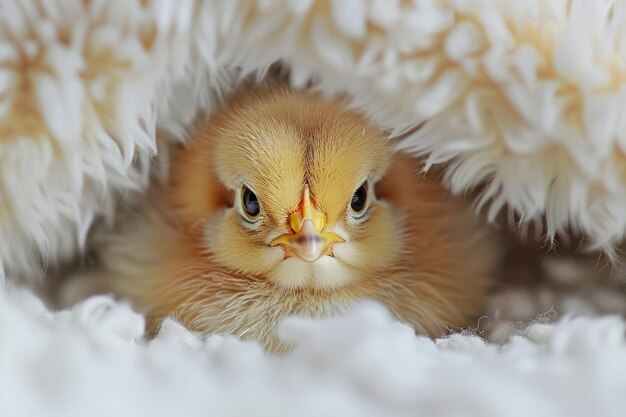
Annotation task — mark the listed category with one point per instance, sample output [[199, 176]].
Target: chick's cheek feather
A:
[[284, 204], [233, 246]]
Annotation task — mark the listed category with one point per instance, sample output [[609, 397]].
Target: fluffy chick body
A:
[[189, 253]]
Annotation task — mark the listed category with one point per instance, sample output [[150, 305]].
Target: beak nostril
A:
[[306, 238], [307, 210], [308, 244]]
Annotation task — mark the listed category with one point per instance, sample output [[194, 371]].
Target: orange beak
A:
[[306, 239]]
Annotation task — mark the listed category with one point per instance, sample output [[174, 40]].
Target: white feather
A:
[[506, 85]]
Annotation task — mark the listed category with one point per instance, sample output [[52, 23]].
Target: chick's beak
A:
[[306, 239]]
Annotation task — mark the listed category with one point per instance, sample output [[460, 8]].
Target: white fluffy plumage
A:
[[528, 95], [82, 86]]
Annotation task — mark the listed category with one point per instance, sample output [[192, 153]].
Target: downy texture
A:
[[525, 94]]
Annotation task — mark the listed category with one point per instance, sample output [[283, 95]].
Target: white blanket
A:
[[93, 361]]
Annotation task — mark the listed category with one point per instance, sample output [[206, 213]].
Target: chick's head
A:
[[301, 172]]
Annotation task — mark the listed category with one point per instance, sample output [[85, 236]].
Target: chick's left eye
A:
[[250, 202], [359, 198]]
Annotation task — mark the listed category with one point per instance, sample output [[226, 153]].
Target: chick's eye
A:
[[250, 203], [359, 199]]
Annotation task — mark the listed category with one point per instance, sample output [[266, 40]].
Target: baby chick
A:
[[288, 204]]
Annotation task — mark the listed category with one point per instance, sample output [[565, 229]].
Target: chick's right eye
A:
[[250, 202]]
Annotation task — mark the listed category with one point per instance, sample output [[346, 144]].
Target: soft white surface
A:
[[92, 360], [529, 94]]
